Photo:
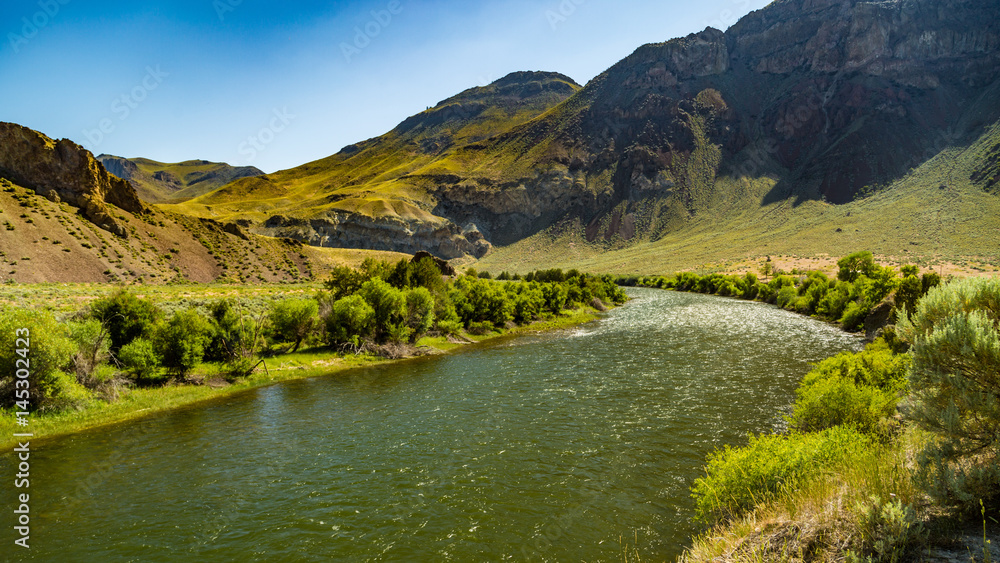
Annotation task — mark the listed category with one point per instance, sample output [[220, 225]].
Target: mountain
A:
[[824, 102], [159, 182], [369, 194], [64, 218]]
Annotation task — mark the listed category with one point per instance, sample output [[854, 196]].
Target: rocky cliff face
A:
[[817, 99], [63, 170], [834, 97]]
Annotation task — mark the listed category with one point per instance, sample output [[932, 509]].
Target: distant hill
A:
[[64, 218], [160, 182], [824, 102]]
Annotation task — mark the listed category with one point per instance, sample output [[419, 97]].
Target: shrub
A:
[[738, 479], [786, 297], [480, 328], [351, 320], [49, 351], [293, 320], [139, 357], [425, 273], [838, 401], [888, 531], [555, 295], [419, 311], [854, 315], [955, 381], [125, 316], [389, 306], [92, 348], [344, 281], [854, 265], [181, 341]]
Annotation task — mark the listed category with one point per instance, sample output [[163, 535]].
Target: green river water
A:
[[579, 445]]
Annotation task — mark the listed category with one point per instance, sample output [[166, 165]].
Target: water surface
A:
[[567, 446]]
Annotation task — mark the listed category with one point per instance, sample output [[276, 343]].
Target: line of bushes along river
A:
[[124, 342], [890, 452]]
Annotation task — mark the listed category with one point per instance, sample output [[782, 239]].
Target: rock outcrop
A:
[[64, 171]]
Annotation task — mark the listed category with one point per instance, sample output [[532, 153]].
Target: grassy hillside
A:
[[942, 211], [45, 241], [160, 182], [383, 177]]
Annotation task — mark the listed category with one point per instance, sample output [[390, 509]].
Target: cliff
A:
[[64, 171]]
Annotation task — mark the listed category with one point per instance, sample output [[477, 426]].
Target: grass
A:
[[142, 402], [386, 177], [822, 518]]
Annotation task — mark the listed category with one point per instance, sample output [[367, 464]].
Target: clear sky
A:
[[278, 84]]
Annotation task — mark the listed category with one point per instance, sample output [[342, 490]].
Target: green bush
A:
[[854, 265], [48, 353], [389, 306], [125, 316], [293, 320], [853, 317], [139, 357], [344, 281], [737, 479], [181, 341], [855, 389], [838, 401], [786, 297], [92, 349], [351, 320], [419, 311], [955, 380], [480, 328]]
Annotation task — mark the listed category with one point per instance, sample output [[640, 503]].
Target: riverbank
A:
[[866, 470], [138, 403]]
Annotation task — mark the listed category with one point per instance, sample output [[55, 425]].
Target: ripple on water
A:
[[556, 446]]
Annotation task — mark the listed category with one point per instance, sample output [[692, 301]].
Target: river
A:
[[566, 446]]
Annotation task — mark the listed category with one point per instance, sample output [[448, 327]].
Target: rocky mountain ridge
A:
[[825, 100]]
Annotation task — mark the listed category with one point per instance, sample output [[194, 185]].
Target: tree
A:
[[344, 281], [419, 311], [32, 343], [372, 268], [126, 317], [140, 358], [425, 273], [389, 305], [955, 382], [292, 320], [854, 265], [400, 276], [181, 341], [351, 319]]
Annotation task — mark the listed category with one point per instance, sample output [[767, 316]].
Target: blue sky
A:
[[279, 84]]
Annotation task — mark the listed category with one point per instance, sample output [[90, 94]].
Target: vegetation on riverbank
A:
[[123, 355], [891, 451], [860, 288]]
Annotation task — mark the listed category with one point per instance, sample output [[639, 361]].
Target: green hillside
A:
[[156, 182]]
